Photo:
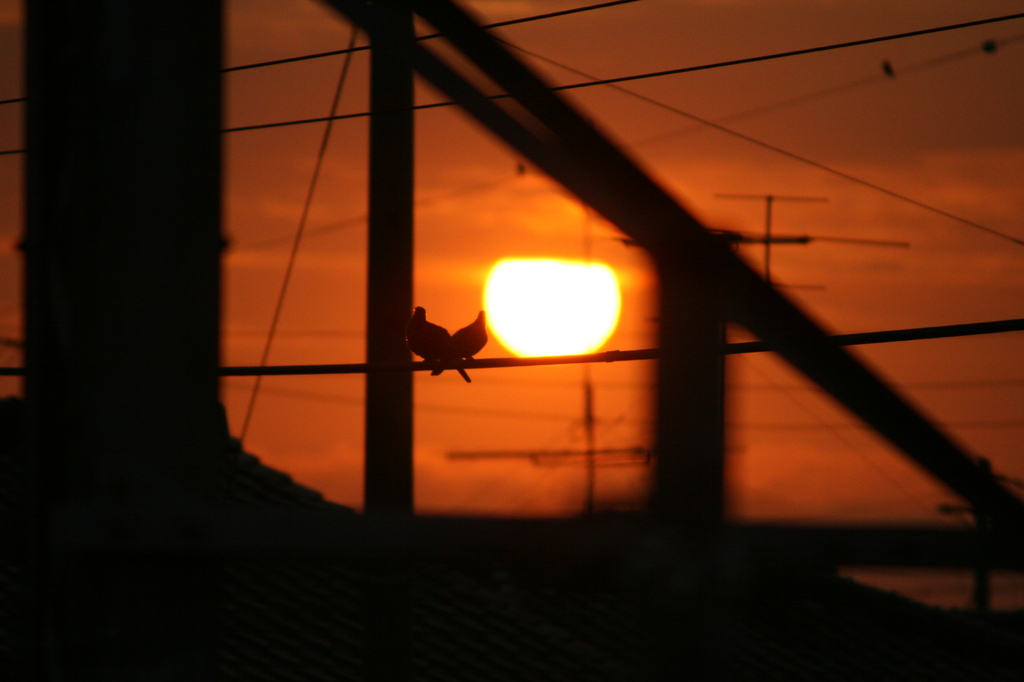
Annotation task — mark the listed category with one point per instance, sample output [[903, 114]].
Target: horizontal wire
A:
[[331, 53], [979, 424], [818, 94], [552, 416], [608, 81], [889, 336], [717, 126], [428, 407], [353, 221], [857, 339], [656, 74], [778, 150], [792, 53]]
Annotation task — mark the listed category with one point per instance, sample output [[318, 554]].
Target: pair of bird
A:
[[433, 342]]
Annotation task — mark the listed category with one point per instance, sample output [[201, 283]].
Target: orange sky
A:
[[950, 135]]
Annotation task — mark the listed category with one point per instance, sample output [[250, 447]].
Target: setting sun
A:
[[551, 307]]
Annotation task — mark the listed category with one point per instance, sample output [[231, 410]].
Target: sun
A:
[[541, 306]]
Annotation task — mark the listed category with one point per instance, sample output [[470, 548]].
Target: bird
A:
[[430, 341], [887, 69], [471, 339]]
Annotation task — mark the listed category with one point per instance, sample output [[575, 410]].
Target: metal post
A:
[[688, 494], [588, 427], [122, 305], [983, 559], [388, 480], [768, 238]]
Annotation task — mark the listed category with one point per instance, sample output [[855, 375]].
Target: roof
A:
[[301, 622], [292, 619]]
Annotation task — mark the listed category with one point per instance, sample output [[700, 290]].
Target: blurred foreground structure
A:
[[133, 552]]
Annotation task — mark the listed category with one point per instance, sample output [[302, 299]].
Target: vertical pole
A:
[[983, 531], [768, 238], [588, 426], [388, 482], [588, 388], [688, 492], [122, 305], [688, 487]]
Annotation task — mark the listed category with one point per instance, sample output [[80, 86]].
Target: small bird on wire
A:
[[430, 341]]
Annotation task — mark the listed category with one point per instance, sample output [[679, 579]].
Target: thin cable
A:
[[978, 424], [12, 151], [298, 236], [706, 122], [792, 53], [778, 150], [335, 117], [845, 87], [13, 100], [419, 203], [656, 74], [510, 22], [429, 407], [833, 429]]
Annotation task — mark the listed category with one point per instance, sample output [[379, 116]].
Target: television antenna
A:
[[591, 453], [769, 200]]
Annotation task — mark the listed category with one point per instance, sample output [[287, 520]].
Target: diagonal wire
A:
[[612, 83], [851, 446], [298, 234]]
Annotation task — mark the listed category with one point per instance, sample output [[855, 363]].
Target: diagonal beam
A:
[[547, 131]]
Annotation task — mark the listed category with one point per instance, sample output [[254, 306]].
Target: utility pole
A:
[[123, 250], [769, 199], [588, 430], [388, 478], [389, 419]]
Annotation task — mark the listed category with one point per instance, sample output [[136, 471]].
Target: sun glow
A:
[[551, 307]]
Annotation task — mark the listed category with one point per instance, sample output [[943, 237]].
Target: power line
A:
[[361, 48], [953, 385], [834, 431], [779, 150], [920, 333], [978, 424], [985, 47], [653, 74], [790, 53], [419, 203], [862, 338], [298, 237], [586, 84], [717, 126], [427, 407], [510, 22]]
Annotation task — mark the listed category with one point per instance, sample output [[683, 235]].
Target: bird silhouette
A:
[[471, 339], [887, 69], [430, 341]]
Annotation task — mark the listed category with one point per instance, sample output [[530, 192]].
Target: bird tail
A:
[[464, 375]]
